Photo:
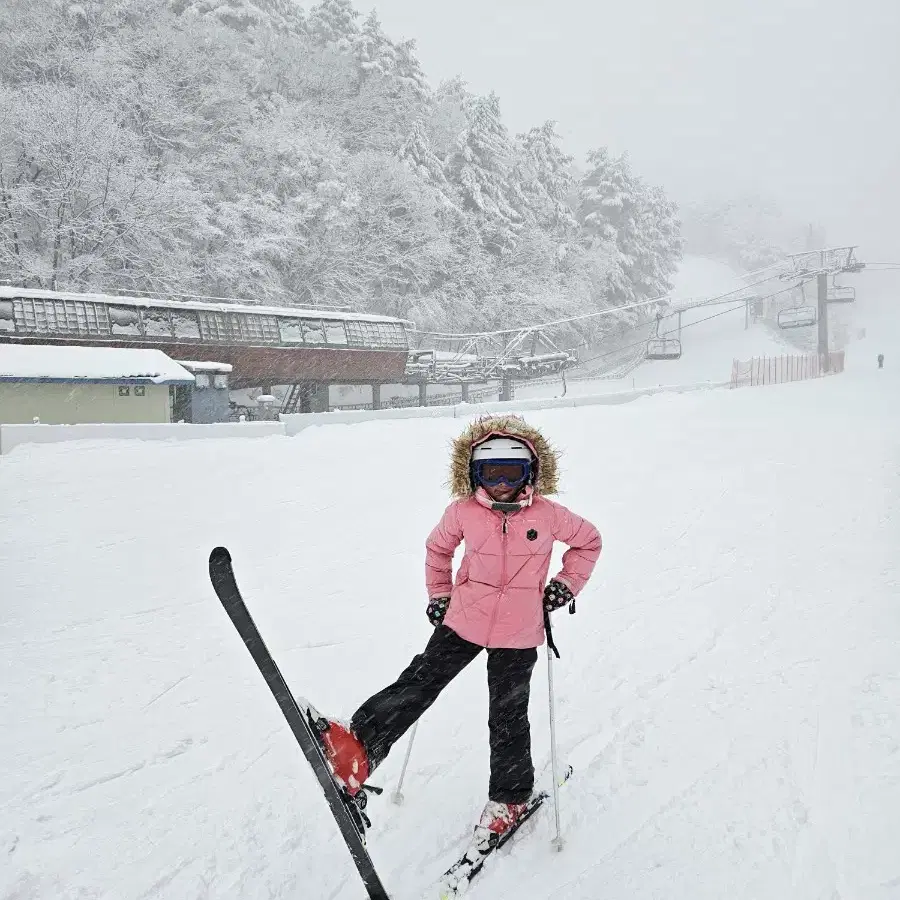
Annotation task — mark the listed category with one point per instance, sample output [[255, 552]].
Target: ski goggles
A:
[[494, 472]]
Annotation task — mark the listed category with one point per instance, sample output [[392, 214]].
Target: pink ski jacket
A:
[[497, 597]]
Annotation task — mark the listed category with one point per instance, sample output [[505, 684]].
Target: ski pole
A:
[[397, 796], [554, 762]]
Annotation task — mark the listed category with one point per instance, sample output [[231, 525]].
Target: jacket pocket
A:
[[462, 574]]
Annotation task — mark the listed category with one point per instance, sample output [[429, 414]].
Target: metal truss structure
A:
[[521, 353], [534, 351]]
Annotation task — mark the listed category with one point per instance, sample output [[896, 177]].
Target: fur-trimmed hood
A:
[[506, 426]]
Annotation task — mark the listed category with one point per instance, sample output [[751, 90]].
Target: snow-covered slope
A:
[[877, 310], [728, 692], [711, 338]]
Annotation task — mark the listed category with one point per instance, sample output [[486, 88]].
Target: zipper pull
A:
[[505, 523]]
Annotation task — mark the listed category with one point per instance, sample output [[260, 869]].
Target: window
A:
[[124, 320], [335, 333], [302, 331], [313, 331], [245, 327], [139, 390], [381, 335], [220, 381], [186, 325], [201, 379], [355, 334], [291, 331], [124, 390], [60, 317], [157, 323], [7, 317], [252, 328], [212, 327]]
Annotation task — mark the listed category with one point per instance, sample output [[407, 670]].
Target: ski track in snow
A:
[[728, 694]]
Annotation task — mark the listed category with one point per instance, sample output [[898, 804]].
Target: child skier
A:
[[501, 471]]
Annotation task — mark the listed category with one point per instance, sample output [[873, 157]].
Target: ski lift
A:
[[797, 317], [663, 348], [659, 347], [839, 293]]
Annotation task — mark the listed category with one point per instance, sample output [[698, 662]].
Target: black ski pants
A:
[[386, 716]]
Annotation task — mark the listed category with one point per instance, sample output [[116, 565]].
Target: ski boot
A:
[[347, 759], [496, 821]]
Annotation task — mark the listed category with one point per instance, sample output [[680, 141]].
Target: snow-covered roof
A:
[[10, 293], [195, 366], [42, 362]]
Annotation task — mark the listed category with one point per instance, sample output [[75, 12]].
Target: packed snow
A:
[[40, 362], [728, 691]]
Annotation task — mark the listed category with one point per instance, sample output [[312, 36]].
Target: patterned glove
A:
[[557, 595], [437, 609]]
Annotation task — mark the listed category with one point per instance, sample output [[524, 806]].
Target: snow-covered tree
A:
[[608, 212], [662, 251], [242, 15], [375, 53], [749, 232], [633, 226], [448, 116], [416, 152], [480, 167], [239, 147], [81, 199], [608, 198], [332, 23], [542, 179], [408, 77]]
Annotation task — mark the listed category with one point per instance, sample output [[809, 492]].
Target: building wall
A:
[[75, 404]]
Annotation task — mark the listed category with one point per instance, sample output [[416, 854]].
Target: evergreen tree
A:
[[332, 23], [416, 152], [242, 15], [609, 212], [407, 73], [544, 175], [448, 116], [480, 167], [663, 250], [374, 52]]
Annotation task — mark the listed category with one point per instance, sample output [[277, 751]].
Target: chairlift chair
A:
[[839, 294], [663, 348], [797, 317]]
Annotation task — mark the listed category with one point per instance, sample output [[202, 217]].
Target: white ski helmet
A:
[[500, 448]]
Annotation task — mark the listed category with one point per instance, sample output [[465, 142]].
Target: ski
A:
[[347, 812], [456, 880]]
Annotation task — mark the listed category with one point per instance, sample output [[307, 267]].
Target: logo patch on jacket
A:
[[531, 534]]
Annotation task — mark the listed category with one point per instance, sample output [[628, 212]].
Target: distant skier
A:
[[501, 471], [880, 360]]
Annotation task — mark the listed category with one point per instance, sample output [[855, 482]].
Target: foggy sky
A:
[[798, 99]]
